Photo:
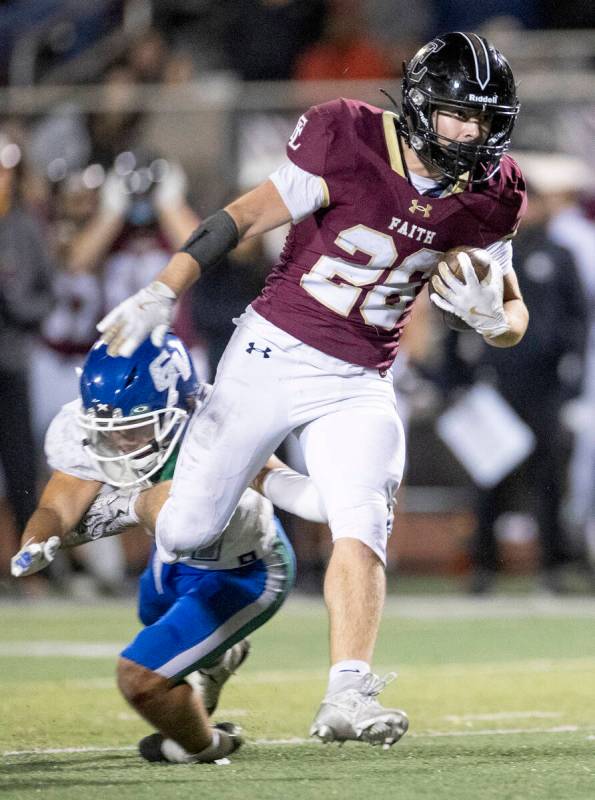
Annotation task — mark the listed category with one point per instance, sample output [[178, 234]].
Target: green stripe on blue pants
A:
[[194, 615]]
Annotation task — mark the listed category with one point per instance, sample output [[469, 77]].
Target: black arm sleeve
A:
[[213, 239]]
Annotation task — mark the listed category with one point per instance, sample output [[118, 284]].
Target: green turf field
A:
[[501, 697]]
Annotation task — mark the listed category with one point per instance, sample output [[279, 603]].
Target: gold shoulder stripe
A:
[[392, 143], [457, 187], [327, 197]]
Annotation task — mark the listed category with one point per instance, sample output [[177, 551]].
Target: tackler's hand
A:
[[34, 556], [149, 311]]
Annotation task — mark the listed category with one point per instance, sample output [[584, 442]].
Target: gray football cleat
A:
[[355, 714], [210, 681]]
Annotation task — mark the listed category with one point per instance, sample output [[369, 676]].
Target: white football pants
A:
[[269, 384]]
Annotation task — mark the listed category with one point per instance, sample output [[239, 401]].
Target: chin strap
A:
[[391, 98]]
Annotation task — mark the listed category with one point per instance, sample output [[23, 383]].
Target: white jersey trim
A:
[[64, 448], [302, 192]]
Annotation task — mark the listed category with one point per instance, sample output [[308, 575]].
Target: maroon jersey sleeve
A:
[[323, 144], [508, 211]]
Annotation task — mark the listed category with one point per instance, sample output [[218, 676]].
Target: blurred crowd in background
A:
[[100, 183]]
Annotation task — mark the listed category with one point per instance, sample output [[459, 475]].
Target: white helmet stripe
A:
[[480, 57]]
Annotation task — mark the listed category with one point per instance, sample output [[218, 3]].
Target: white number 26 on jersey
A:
[[385, 302]]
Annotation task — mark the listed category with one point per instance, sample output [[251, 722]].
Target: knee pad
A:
[[370, 522]]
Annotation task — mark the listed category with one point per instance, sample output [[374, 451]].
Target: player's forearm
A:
[[292, 492], [517, 316], [149, 504], [254, 213], [44, 523], [186, 266], [180, 273]]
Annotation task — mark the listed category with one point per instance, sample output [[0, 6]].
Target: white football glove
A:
[[480, 305], [148, 311], [33, 557]]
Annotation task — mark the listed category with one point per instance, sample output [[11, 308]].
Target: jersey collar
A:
[[397, 162]]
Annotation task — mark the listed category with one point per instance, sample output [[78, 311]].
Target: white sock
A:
[[175, 753], [346, 672]]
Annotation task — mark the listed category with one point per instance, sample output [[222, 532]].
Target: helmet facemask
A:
[[477, 162], [130, 450]]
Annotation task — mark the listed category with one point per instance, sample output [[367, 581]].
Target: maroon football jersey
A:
[[349, 273]]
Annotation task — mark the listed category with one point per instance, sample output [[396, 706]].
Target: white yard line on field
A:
[[502, 715], [45, 649], [413, 606], [110, 650], [499, 607], [299, 741], [459, 607]]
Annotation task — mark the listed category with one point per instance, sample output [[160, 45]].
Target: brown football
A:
[[480, 259]]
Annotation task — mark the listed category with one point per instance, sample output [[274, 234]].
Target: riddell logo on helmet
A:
[[483, 98]]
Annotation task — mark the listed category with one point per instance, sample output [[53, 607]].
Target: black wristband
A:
[[213, 238]]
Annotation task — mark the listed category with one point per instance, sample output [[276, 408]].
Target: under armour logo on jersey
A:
[[252, 349], [301, 124], [416, 206]]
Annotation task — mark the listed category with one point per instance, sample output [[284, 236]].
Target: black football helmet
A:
[[458, 71]]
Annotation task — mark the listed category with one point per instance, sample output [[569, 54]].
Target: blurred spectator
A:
[[147, 57], [59, 143], [460, 15], [109, 246], [39, 35], [347, 51], [262, 38], [66, 335], [179, 68], [142, 218], [561, 180], [25, 298], [542, 373], [115, 128], [66, 140], [398, 22], [68, 331], [570, 14]]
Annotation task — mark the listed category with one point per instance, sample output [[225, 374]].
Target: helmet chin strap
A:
[[391, 98]]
